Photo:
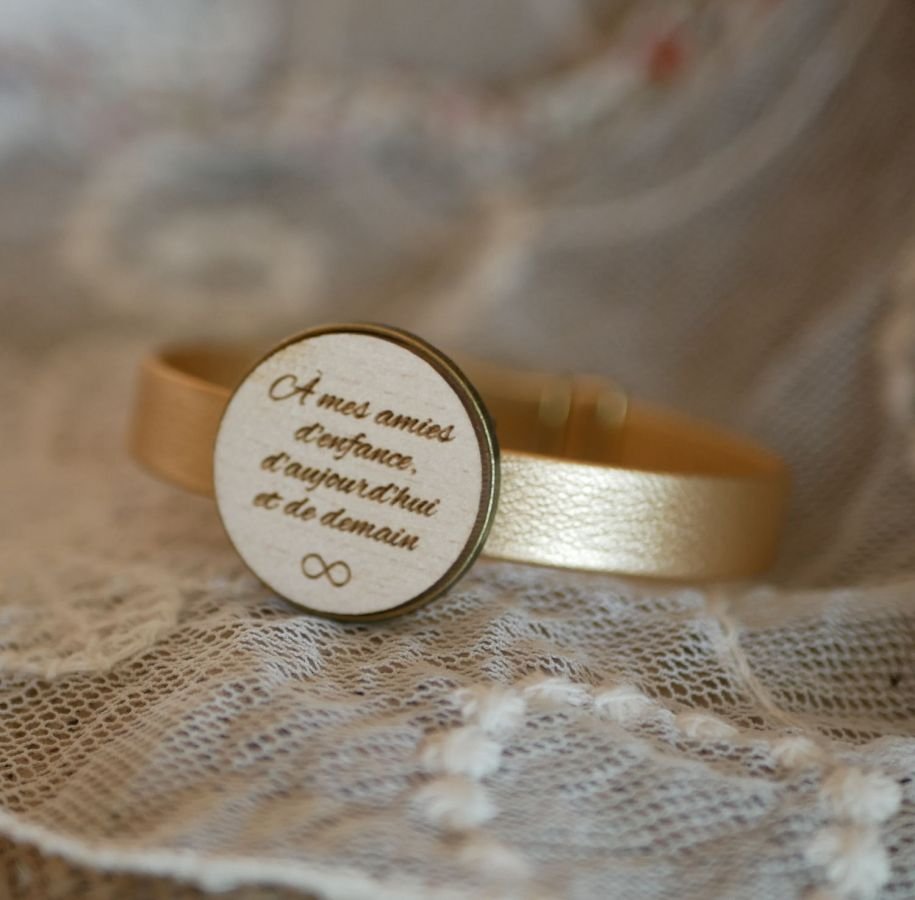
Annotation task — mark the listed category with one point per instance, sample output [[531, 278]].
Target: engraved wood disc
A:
[[356, 471]]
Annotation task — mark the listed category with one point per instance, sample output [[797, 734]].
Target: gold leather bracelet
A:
[[585, 478]]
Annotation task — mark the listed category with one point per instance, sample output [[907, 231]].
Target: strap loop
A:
[[590, 480]]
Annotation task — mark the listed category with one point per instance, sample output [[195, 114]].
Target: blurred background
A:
[[709, 201]]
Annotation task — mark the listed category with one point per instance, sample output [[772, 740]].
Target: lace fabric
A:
[[168, 726]]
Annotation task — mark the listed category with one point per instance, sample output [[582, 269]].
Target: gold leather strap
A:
[[589, 480]]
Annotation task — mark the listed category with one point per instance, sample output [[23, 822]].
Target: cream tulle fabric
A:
[[724, 231]]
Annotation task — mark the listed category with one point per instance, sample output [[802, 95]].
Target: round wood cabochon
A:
[[356, 471]]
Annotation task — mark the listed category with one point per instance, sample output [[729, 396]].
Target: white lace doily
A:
[[721, 224]]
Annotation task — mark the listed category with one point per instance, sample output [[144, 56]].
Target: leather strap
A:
[[589, 480]]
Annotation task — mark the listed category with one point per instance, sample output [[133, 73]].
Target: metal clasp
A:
[[581, 418]]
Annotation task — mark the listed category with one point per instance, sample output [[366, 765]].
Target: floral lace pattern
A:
[[658, 192]]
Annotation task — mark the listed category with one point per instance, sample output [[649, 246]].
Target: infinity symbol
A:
[[315, 566]]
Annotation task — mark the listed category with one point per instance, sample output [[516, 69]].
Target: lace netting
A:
[[168, 727]]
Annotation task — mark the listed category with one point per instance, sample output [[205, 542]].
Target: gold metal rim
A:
[[484, 430]]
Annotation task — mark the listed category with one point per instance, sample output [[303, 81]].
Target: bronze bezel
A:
[[484, 431]]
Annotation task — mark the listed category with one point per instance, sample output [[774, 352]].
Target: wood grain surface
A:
[[354, 471]]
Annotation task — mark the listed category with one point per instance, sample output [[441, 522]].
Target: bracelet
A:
[[358, 474]]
